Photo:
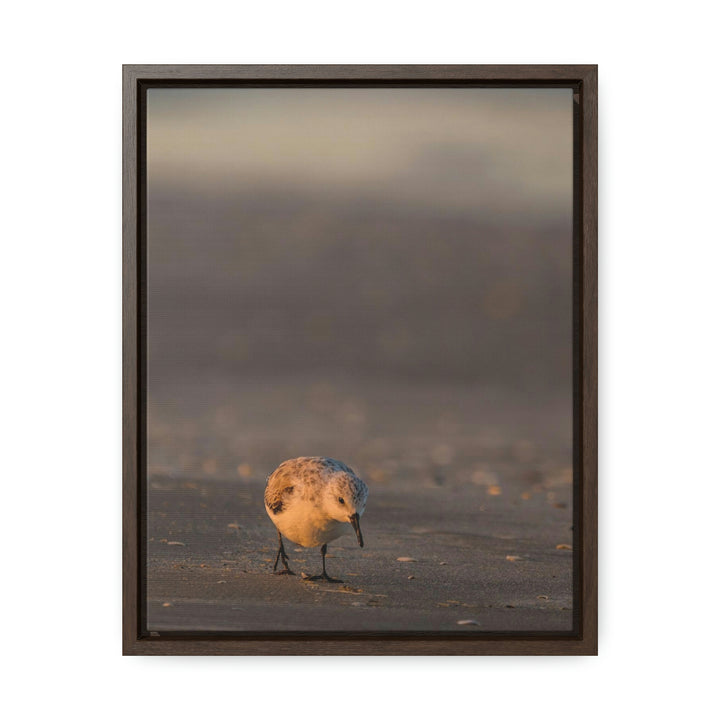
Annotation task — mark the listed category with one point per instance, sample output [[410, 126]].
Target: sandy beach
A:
[[439, 556], [392, 288]]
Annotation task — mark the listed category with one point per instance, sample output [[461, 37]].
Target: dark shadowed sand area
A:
[[496, 555]]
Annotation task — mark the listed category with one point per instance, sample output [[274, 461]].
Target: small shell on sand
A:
[[406, 559], [468, 622]]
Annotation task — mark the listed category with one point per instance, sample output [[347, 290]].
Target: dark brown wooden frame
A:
[[583, 80]]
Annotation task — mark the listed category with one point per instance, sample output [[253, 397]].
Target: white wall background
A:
[[61, 292]]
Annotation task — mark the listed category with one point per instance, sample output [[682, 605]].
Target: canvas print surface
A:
[[375, 284]]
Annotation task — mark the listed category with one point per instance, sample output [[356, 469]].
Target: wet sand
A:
[[496, 556], [425, 342]]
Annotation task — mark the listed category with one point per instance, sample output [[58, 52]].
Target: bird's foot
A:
[[324, 576], [286, 571]]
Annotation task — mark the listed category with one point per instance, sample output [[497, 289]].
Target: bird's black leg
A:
[[324, 575], [281, 555]]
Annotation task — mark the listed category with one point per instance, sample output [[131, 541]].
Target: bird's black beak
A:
[[355, 522]]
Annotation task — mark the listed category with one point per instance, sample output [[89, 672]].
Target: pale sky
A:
[[503, 150]]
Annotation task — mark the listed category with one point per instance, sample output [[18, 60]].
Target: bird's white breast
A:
[[306, 524]]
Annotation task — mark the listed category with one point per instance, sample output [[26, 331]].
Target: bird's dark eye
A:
[[341, 501]]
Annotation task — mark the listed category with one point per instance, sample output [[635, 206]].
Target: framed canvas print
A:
[[360, 339]]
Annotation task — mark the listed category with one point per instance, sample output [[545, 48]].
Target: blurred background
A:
[[378, 275]]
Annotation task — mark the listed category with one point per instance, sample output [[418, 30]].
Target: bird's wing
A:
[[277, 492]]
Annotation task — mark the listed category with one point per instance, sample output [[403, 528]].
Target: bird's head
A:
[[344, 501]]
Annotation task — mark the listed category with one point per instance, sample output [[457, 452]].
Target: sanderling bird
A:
[[311, 501]]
